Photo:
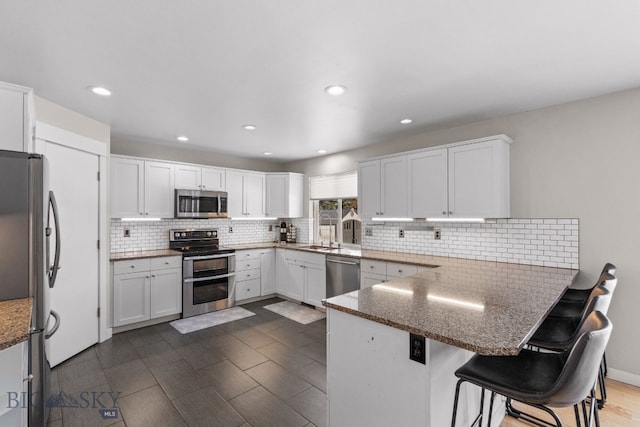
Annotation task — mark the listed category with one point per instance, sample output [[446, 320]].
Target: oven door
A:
[[205, 294]]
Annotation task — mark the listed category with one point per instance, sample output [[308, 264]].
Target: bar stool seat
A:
[[577, 295], [543, 380]]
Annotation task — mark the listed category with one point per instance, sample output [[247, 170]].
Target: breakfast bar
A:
[[461, 307]]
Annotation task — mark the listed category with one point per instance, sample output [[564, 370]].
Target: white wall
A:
[[189, 154], [576, 160], [61, 117]]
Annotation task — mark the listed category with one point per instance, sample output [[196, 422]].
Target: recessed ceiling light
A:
[[100, 90], [267, 153], [322, 151], [183, 139], [249, 127], [335, 90], [406, 121]]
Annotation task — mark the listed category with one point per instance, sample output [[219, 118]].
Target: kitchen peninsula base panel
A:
[[372, 381]]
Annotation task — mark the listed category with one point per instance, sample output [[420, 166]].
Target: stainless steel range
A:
[[208, 270]]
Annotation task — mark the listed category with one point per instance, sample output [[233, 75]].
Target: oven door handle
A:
[[195, 258], [202, 279]]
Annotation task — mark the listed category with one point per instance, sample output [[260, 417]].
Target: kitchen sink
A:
[[319, 248]]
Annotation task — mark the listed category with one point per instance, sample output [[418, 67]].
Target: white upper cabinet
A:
[[158, 189], [141, 188], [127, 188], [190, 177], [213, 179], [479, 180], [17, 118], [383, 188], [284, 195], [427, 181], [246, 191], [469, 179]]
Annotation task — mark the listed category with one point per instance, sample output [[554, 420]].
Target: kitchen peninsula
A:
[[461, 307]]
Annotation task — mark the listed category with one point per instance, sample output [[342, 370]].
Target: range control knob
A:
[[176, 235], [208, 233], [184, 234]]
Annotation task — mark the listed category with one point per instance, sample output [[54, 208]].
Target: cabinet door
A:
[[254, 194], [213, 179], [479, 180], [131, 298], [166, 292], [159, 189], [187, 177], [367, 279], [267, 272], [127, 188], [297, 277], [393, 187], [369, 189], [12, 125], [315, 285], [427, 184], [235, 200], [277, 190]]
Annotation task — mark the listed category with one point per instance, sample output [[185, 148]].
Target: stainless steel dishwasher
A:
[[343, 275]]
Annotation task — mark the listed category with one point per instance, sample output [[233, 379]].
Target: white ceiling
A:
[[203, 68]]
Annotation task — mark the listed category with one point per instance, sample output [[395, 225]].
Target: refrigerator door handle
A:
[[53, 270], [53, 330]]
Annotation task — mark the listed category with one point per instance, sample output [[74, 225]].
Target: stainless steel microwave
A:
[[200, 204]]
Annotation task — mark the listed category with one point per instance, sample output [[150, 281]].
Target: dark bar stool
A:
[[582, 295], [543, 379], [566, 309]]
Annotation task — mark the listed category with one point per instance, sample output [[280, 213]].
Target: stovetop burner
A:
[[193, 242]]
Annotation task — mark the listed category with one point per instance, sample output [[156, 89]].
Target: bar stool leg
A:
[[478, 419], [602, 385], [493, 397]]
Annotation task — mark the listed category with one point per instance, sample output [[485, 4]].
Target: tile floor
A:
[[265, 370]]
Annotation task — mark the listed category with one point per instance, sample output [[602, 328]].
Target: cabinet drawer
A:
[[247, 289], [162, 263], [395, 269], [367, 280], [375, 267], [248, 275], [247, 264], [306, 257], [248, 254], [131, 266]]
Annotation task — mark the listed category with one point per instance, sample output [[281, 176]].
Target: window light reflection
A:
[[392, 289], [454, 301]]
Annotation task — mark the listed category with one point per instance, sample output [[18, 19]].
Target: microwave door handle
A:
[[219, 205], [53, 270]]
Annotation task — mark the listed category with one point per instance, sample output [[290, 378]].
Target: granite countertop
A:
[[119, 256], [486, 307], [15, 320]]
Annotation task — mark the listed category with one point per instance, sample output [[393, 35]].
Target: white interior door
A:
[[73, 176]]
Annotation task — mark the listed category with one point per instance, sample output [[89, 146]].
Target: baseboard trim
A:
[[625, 377]]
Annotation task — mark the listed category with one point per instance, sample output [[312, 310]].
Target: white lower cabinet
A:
[[13, 372], [255, 273], [373, 272], [305, 277], [145, 289]]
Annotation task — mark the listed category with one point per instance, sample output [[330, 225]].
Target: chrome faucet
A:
[[330, 228]]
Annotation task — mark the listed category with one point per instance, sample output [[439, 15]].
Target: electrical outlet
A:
[[368, 231], [127, 232], [417, 350], [230, 229], [436, 234], [270, 227], [401, 233]]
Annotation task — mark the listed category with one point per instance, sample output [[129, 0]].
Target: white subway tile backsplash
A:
[[550, 242]]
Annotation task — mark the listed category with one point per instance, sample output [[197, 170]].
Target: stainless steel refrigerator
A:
[[28, 234]]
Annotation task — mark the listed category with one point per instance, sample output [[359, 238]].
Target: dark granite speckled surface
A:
[[486, 307], [15, 320]]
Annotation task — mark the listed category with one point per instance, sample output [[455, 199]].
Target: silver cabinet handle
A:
[[153, 275], [133, 266], [444, 212], [399, 271], [450, 212]]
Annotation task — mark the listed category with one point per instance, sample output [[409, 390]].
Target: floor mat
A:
[[295, 311], [207, 320]]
